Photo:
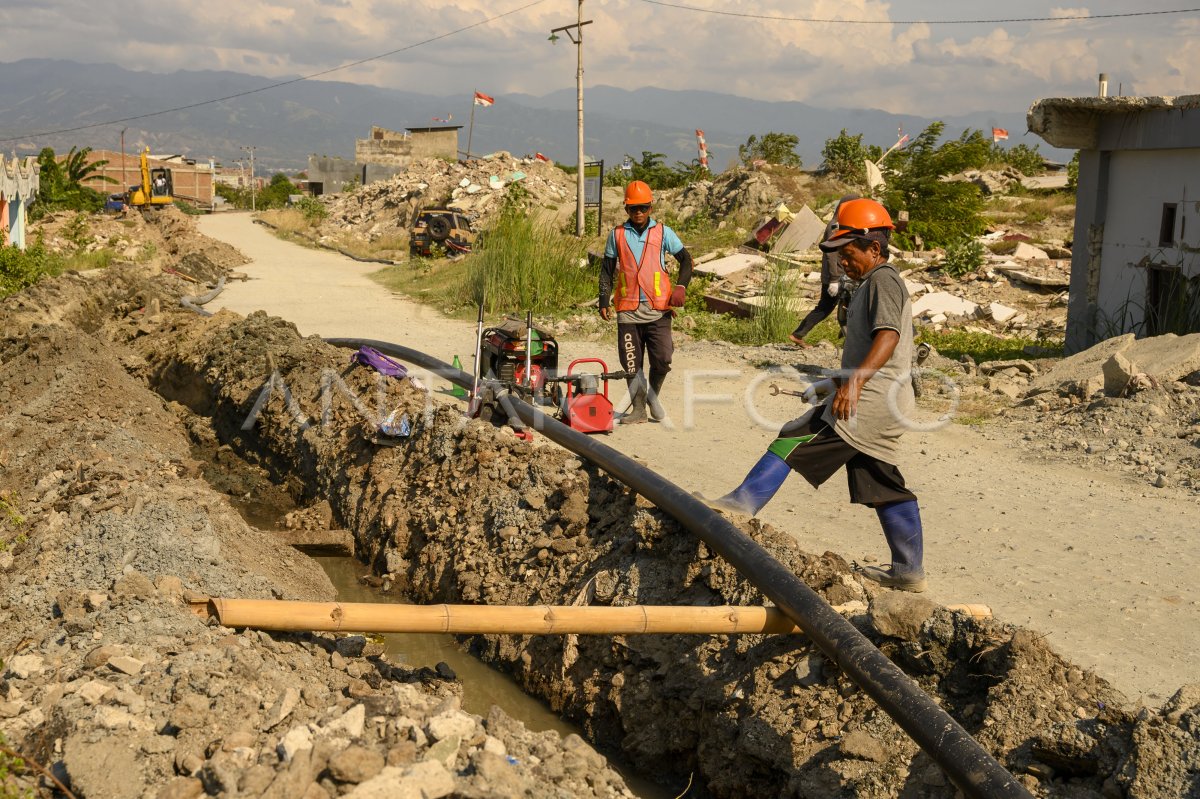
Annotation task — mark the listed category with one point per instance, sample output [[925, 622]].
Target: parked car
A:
[[115, 203]]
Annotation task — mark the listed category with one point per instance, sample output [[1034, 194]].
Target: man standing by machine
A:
[[635, 260]]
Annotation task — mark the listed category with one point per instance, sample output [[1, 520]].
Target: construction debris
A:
[[476, 188]]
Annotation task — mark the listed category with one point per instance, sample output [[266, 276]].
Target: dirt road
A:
[[1103, 565]]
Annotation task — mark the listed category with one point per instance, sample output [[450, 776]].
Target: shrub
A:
[[313, 209], [21, 268], [962, 257]]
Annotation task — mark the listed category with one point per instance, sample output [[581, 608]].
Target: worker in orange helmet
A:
[[867, 407], [635, 259]]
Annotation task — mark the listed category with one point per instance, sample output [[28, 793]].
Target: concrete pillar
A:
[[1103, 84]]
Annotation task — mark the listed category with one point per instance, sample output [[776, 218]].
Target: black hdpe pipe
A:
[[975, 772]]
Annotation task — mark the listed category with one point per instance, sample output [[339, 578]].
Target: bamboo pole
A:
[[269, 614]]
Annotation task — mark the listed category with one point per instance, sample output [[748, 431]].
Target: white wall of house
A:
[[1140, 184], [1137, 212]]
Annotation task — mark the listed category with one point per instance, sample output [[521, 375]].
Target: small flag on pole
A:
[[998, 134], [483, 99]]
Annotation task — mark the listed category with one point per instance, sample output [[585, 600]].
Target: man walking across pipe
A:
[[860, 423], [635, 257]]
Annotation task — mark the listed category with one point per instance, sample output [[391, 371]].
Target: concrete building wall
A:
[[1137, 216], [192, 182], [1117, 256], [20, 179], [384, 154]]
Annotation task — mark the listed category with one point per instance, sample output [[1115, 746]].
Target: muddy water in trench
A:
[[263, 504]]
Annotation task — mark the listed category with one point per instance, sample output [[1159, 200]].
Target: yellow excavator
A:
[[155, 188]]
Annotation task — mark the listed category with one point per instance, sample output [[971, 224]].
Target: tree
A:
[[845, 157], [77, 169], [61, 186], [655, 173], [940, 212], [774, 148], [1025, 159]]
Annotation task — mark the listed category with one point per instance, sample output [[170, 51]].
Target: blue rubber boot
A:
[[757, 488], [901, 522]]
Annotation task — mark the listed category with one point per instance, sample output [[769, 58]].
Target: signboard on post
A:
[[593, 188]]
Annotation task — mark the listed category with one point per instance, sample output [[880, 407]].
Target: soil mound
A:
[[461, 512]]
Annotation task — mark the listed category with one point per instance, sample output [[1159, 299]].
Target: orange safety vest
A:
[[634, 280]]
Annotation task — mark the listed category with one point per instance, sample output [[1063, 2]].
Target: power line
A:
[[919, 21], [276, 85]]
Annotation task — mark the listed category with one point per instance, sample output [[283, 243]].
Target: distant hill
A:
[[325, 117]]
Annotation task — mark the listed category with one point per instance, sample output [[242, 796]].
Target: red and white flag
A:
[[483, 99], [998, 134]]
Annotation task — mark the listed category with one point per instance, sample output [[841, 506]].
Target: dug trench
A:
[[456, 512]]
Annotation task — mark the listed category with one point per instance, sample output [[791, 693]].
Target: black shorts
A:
[[814, 449]]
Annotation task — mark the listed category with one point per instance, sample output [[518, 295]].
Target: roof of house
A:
[[1074, 122]]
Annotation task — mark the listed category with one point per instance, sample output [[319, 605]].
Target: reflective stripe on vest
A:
[[647, 277]]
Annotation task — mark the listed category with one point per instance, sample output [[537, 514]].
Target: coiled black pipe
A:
[[969, 766]]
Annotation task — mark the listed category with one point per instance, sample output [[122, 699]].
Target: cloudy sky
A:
[[909, 56]]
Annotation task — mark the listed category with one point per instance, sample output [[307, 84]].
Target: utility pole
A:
[[577, 40], [124, 180], [251, 150]]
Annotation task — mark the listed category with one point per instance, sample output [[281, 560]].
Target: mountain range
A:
[[53, 103]]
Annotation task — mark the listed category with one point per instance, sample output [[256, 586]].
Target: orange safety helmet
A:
[[638, 193], [857, 218]]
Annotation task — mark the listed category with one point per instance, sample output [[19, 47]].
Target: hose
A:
[[193, 303], [975, 772]]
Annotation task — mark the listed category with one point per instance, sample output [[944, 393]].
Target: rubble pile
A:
[[477, 187], [733, 190], [1127, 404]]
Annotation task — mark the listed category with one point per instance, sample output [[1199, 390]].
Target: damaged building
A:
[[1134, 266], [384, 154]]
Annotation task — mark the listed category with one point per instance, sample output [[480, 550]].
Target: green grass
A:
[[525, 265], [982, 347], [82, 261]]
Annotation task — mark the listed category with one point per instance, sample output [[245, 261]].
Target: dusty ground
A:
[[1095, 558], [458, 512], [108, 681]]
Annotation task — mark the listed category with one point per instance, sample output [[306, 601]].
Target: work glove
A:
[[817, 389], [678, 296]]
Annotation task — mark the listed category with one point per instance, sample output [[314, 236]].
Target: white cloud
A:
[[916, 68]]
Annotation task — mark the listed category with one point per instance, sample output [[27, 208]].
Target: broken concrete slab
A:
[[804, 231], [1083, 366], [1118, 373], [941, 302], [1001, 313], [1167, 357], [1020, 365], [1027, 252], [1058, 181], [1045, 279], [915, 288], [730, 264], [753, 305]]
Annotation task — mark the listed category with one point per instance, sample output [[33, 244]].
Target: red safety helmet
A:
[[638, 193]]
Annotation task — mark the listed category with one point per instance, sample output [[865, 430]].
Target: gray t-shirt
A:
[[881, 302]]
